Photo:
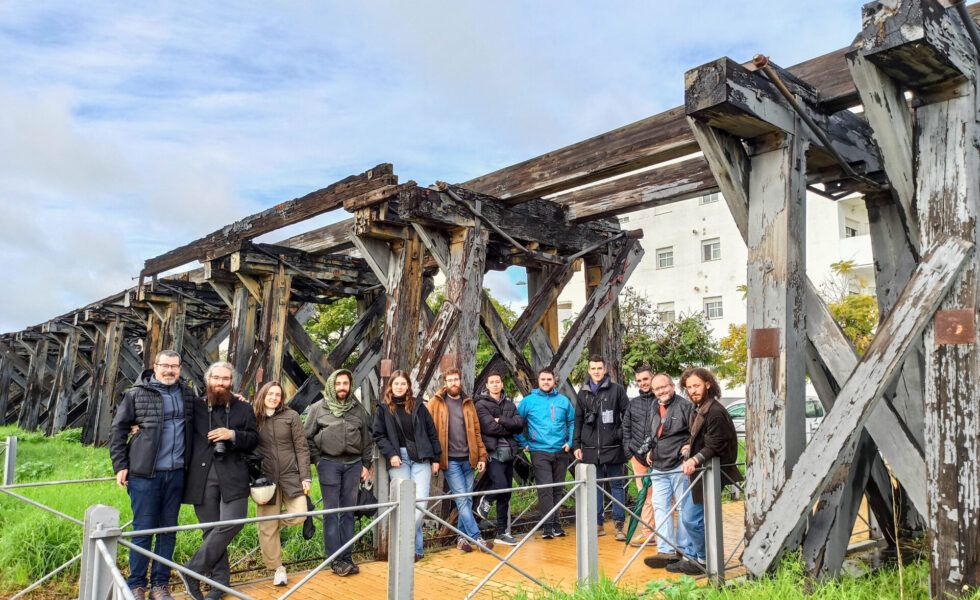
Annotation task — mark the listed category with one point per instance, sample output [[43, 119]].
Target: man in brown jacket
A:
[[458, 428]]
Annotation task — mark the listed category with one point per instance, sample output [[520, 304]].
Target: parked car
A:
[[814, 414]]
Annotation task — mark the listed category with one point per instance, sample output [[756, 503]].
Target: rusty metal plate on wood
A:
[[955, 326], [764, 343], [386, 367]]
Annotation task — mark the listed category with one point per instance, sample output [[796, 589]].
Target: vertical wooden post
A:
[[172, 329], [153, 342], [398, 350], [5, 369], [775, 386], [31, 404], [536, 279], [97, 334], [275, 309], [607, 341], [464, 288], [105, 398], [61, 391], [241, 339], [948, 189]]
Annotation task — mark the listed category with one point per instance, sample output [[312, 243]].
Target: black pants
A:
[[549, 467], [211, 559], [501, 475], [338, 485]]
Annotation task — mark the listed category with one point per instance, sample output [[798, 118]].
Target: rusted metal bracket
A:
[[955, 326]]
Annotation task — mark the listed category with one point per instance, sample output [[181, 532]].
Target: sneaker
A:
[[160, 592], [280, 577], [547, 533], [215, 595], [418, 557], [601, 530], [506, 539], [354, 569], [620, 534], [558, 531], [484, 545], [139, 592], [686, 566], [482, 508], [638, 541], [341, 568], [462, 544], [660, 560], [193, 588]]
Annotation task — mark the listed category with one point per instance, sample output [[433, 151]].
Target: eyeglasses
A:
[[217, 378], [168, 366]]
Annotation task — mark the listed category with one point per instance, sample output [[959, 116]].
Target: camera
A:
[[644, 448], [220, 448]]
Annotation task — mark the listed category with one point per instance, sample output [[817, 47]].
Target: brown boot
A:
[[160, 592], [139, 593]]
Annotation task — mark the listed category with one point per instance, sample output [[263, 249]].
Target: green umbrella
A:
[[638, 509]]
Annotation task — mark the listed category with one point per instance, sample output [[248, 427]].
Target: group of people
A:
[[170, 445]]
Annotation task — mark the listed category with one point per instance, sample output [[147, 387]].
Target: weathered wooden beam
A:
[[607, 341], [948, 191], [776, 318], [730, 166], [508, 348], [5, 376], [404, 291], [241, 338], [62, 389], [31, 403], [305, 345], [602, 300], [264, 259], [357, 335], [523, 222], [436, 339], [332, 238], [275, 310], [228, 239], [873, 373], [464, 288]]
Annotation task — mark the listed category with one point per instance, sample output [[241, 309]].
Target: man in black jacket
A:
[[499, 423], [598, 435], [668, 431], [712, 434], [150, 439], [217, 477]]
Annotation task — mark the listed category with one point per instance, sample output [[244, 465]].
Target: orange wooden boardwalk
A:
[[450, 574]]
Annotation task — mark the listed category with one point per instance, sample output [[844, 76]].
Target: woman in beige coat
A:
[[285, 461]]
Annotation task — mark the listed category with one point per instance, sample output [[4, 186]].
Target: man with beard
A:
[[499, 422], [550, 419], [712, 434], [338, 430], [150, 439], [599, 436], [668, 431], [217, 477], [458, 428]]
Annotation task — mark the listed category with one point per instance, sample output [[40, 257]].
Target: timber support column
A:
[[241, 340], [464, 287], [608, 341], [548, 327], [30, 408], [399, 346], [62, 389], [275, 310]]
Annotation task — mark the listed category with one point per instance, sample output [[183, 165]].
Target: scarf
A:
[[698, 422], [337, 407]]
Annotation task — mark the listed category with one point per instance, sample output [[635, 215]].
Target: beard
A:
[[341, 394], [218, 395], [455, 390]]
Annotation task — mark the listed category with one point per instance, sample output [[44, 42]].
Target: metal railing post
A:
[[401, 541], [714, 538], [10, 461], [101, 522], [586, 524]]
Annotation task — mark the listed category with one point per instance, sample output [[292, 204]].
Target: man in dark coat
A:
[[598, 437], [149, 444], [712, 434], [499, 423], [217, 477]]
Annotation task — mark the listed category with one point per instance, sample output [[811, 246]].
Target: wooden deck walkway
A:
[[450, 574]]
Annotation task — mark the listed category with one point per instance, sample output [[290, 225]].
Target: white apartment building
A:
[[695, 259]]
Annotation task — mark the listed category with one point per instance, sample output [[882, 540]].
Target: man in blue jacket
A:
[[550, 420]]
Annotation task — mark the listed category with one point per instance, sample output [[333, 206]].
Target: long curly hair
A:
[[712, 390], [389, 396]]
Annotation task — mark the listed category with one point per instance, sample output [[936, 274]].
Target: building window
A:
[[665, 312], [710, 198], [624, 220], [665, 257], [713, 308], [711, 250]]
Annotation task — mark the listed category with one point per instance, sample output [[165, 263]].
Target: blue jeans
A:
[[421, 474], [615, 488], [156, 503], [459, 475], [667, 487], [692, 516]]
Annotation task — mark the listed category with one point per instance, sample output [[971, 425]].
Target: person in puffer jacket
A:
[[550, 424]]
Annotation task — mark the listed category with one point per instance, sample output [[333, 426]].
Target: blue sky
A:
[[127, 129]]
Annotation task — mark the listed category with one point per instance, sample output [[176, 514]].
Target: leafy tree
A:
[[734, 355], [332, 322], [857, 314]]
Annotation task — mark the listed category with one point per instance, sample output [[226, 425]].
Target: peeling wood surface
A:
[[880, 363], [464, 288]]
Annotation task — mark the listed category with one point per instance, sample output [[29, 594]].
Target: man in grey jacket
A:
[[669, 431]]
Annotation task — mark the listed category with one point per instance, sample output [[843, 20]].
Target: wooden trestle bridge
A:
[[904, 412]]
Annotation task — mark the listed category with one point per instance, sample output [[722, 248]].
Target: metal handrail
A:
[[119, 583], [47, 483]]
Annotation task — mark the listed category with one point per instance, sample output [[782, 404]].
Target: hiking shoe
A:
[[620, 534], [547, 533], [280, 577], [660, 560], [686, 566], [139, 592], [354, 569], [506, 539], [462, 544], [160, 592], [341, 568], [482, 508], [558, 531], [484, 545], [601, 530]]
